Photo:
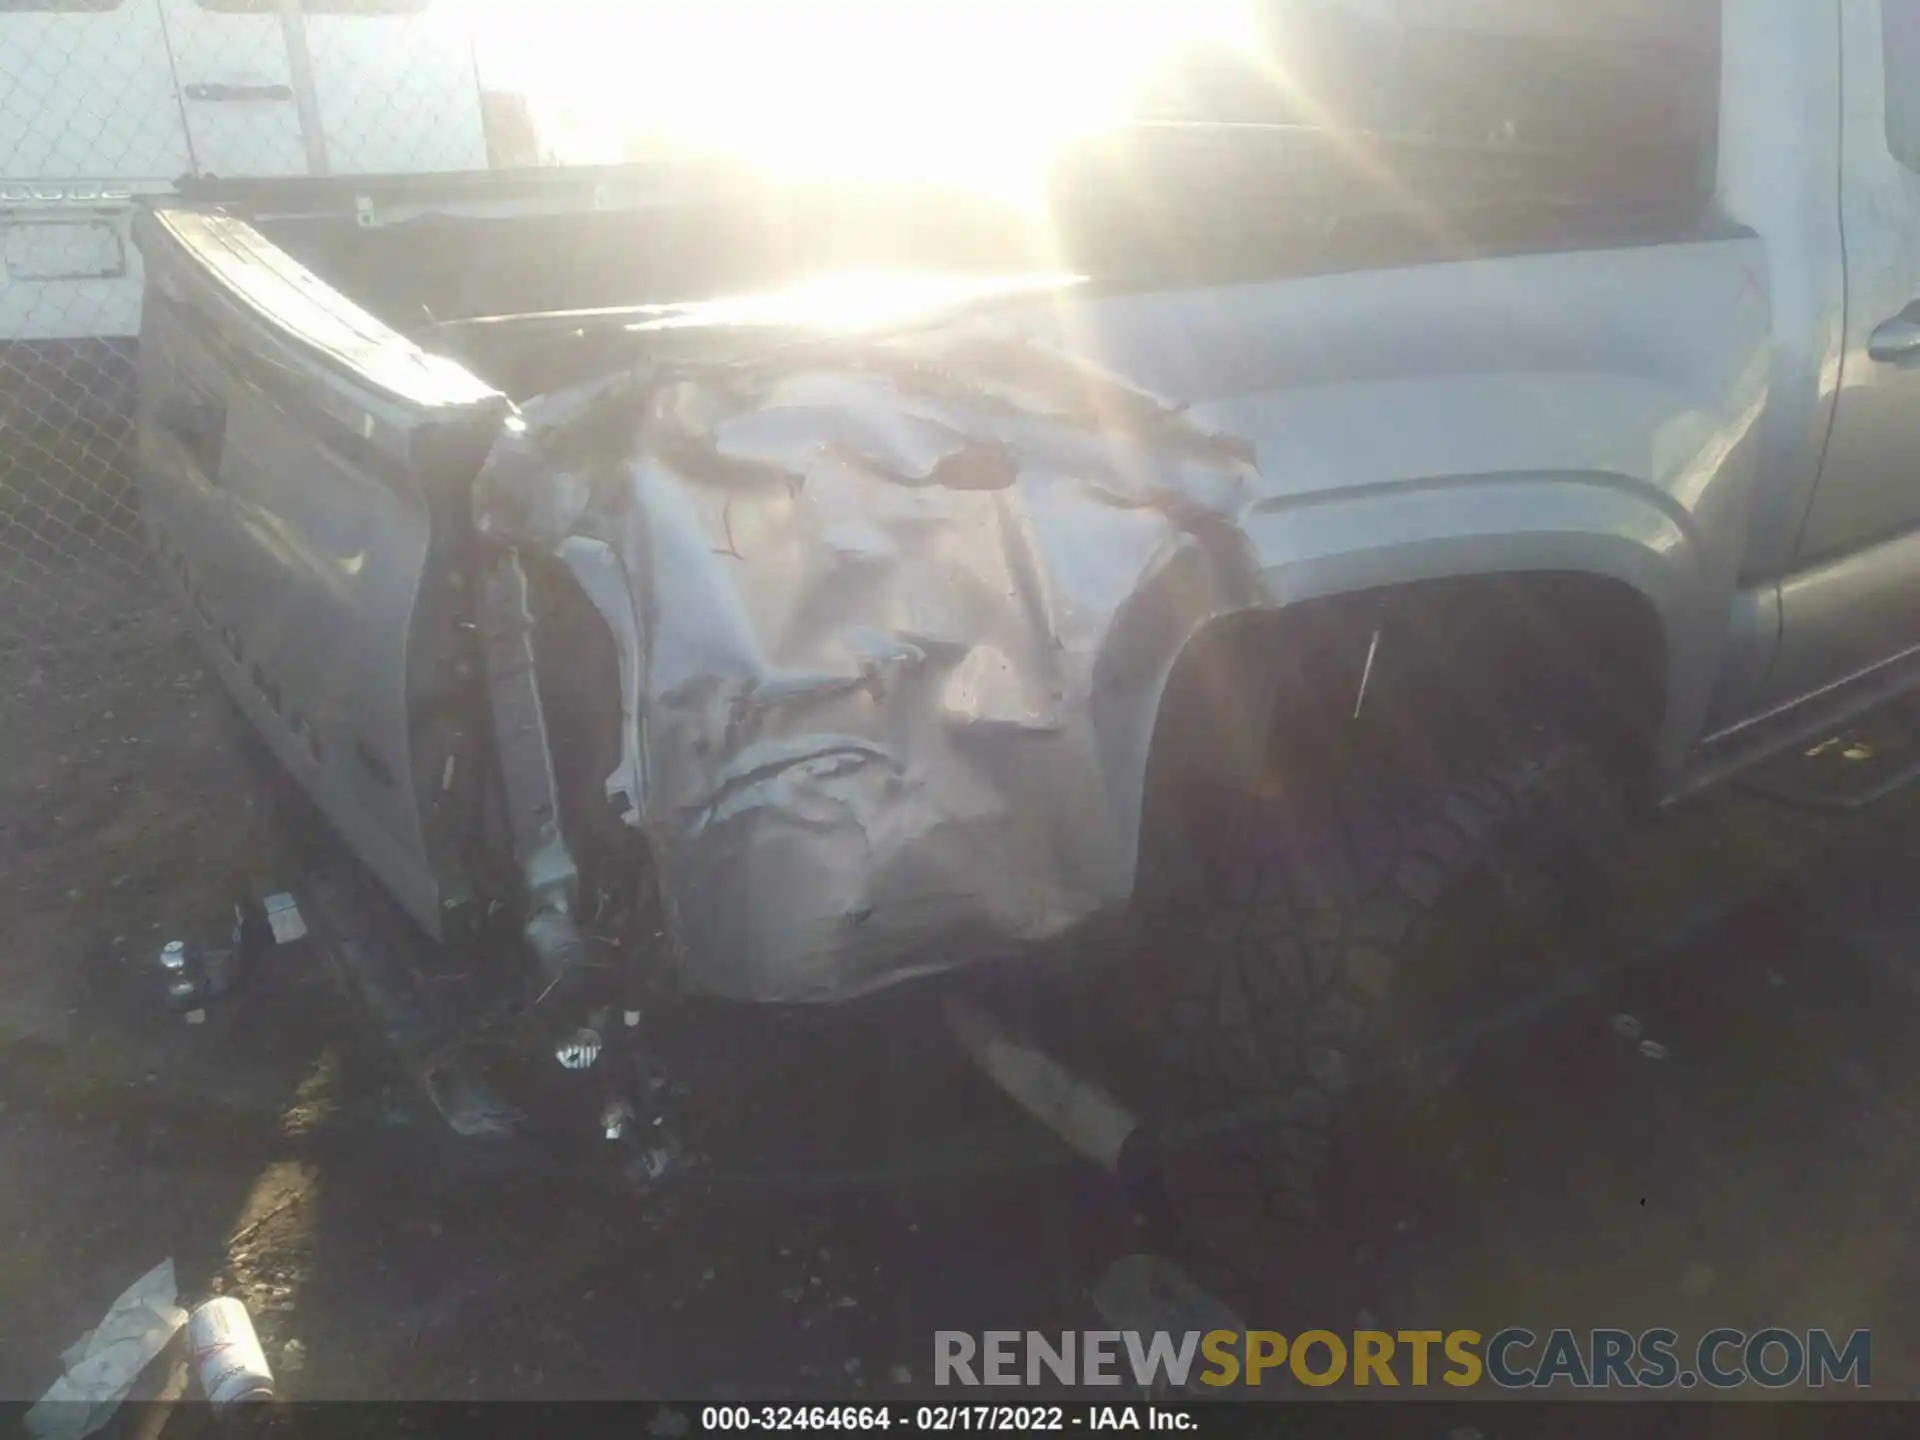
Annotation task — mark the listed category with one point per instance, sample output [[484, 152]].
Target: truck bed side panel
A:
[[293, 456]]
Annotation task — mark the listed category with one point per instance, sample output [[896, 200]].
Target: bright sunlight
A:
[[973, 93]]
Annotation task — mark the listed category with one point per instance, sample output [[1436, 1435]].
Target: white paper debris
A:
[[1145, 1293], [103, 1364], [283, 914]]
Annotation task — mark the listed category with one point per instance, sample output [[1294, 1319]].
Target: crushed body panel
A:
[[870, 604], [896, 611]]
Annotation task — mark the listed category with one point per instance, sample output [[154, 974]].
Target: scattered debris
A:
[[900, 1375], [227, 1357], [615, 1116], [853, 1367], [293, 1357], [221, 972], [284, 919], [196, 976], [1626, 1027], [102, 1364], [1654, 1050], [1775, 979], [1083, 1115], [1146, 1293]]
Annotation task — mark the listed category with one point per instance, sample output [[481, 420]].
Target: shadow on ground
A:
[[863, 1189]]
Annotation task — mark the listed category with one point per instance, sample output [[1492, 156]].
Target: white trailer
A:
[[102, 101]]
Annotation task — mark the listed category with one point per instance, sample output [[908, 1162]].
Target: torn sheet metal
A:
[[894, 617]]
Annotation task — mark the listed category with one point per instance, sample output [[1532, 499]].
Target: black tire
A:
[[1371, 934]]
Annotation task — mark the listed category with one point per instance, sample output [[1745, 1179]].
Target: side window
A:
[[1900, 44]]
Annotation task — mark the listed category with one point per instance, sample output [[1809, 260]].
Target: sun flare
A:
[[976, 94]]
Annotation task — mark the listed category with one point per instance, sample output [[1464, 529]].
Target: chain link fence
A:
[[104, 102]]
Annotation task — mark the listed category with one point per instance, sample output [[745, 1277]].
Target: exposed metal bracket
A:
[[547, 868]]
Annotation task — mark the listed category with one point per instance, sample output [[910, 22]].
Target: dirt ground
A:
[[865, 1188]]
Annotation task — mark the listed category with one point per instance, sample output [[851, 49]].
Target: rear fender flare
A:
[[1291, 553]]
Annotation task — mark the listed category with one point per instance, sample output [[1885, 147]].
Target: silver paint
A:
[[896, 612], [896, 606]]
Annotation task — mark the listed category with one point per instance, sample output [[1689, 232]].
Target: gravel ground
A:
[[864, 1188]]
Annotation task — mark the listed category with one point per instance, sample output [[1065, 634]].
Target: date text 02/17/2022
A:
[[935, 1419]]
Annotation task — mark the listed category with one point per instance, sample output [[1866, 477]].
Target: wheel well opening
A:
[[1409, 675]]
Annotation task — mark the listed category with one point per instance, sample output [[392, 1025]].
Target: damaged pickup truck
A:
[[1255, 598]]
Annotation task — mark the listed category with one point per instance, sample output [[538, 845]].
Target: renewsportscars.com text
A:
[[1514, 1358]]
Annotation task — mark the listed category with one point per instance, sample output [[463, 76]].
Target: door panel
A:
[[236, 88], [1848, 615], [1870, 484], [293, 455], [86, 93], [1854, 600]]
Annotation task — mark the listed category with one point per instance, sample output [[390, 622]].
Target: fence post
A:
[[306, 96]]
